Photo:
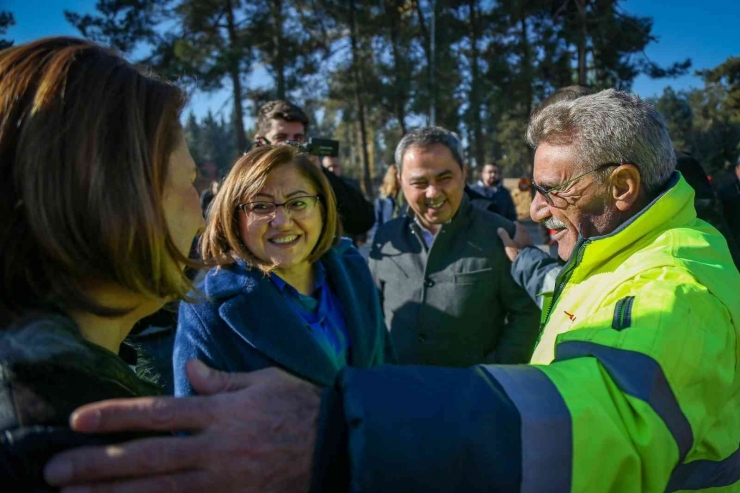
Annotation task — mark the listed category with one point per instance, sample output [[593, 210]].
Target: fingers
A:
[[521, 236], [146, 413], [505, 238], [138, 458], [510, 247], [184, 482], [207, 381]]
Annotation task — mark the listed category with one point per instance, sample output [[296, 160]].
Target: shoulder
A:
[[346, 254], [486, 223], [38, 337], [392, 229], [226, 281]]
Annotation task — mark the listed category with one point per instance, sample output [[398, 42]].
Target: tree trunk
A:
[[475, 105], [392, 11], [278, 56], [357, 89], [527, 70], [427, 44], [582, 44], [235, 74]]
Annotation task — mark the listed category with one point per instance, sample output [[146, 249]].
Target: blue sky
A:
[[705, 31]]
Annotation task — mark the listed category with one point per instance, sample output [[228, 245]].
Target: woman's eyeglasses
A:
[[296, 208], [545, 192]]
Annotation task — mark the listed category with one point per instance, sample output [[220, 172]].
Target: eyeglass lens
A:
[[296, 208]]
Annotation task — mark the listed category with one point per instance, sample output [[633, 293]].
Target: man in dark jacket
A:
[[445, 286], [280, 121], [490, 186]]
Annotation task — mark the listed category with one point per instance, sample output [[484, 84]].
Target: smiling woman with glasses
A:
[[284, 290]]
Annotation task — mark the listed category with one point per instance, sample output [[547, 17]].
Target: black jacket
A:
[[47, 370], [355, 212], [454, 303]]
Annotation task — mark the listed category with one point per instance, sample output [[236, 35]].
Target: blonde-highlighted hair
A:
[[221, 244], [390, 185]]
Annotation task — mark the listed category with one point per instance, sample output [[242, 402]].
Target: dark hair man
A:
[[633, 387], [491, 187], [444, 282], [280, 121]]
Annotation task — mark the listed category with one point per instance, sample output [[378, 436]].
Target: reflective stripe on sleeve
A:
[[546, 428], [640, 376], [703, 474]]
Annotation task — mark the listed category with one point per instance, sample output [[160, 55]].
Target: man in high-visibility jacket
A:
[[634, 386]]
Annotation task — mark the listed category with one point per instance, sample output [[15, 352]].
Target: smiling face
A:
[[581, 206], [283, 241], [433, 184]]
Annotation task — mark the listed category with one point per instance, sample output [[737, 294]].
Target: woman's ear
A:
[[626, 185]]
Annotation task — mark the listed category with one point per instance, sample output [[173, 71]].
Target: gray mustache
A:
[[553, 223]]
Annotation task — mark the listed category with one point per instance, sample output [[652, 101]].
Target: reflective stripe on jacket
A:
[[643, 332], [636, 385]]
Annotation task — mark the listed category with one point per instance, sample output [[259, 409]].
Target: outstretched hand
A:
[[250, 432], [521, 239]]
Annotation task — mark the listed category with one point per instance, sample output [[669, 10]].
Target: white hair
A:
[[609, 127]]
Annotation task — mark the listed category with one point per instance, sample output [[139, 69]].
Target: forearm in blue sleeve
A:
[[413, 428], [531, 268]]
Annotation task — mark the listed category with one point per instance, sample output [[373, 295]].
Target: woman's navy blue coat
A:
[[245, 324]]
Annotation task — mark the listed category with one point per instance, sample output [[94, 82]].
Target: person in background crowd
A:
[[284, 289], [491, 187], [444, 280], [280, 121], [332, 165], [642, 393], [729, 196], [207, 197], [99, 214], [390, 202]]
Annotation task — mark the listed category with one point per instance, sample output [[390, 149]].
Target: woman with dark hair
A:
[[100, 212], [284, 290]]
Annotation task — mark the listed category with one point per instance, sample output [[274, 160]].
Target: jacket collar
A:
[[54, 340], [675, 205], [254, 309], [360, 330]]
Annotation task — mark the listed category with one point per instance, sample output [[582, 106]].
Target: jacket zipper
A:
[[623, 313], [563, 279]]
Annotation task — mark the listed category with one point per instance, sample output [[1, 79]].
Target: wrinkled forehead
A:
[[553, 164]]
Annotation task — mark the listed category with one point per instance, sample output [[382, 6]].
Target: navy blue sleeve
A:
[[416, 428], [535, 271]]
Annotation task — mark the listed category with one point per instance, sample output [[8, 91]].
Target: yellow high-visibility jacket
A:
[[633, 387], [644, 332]]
